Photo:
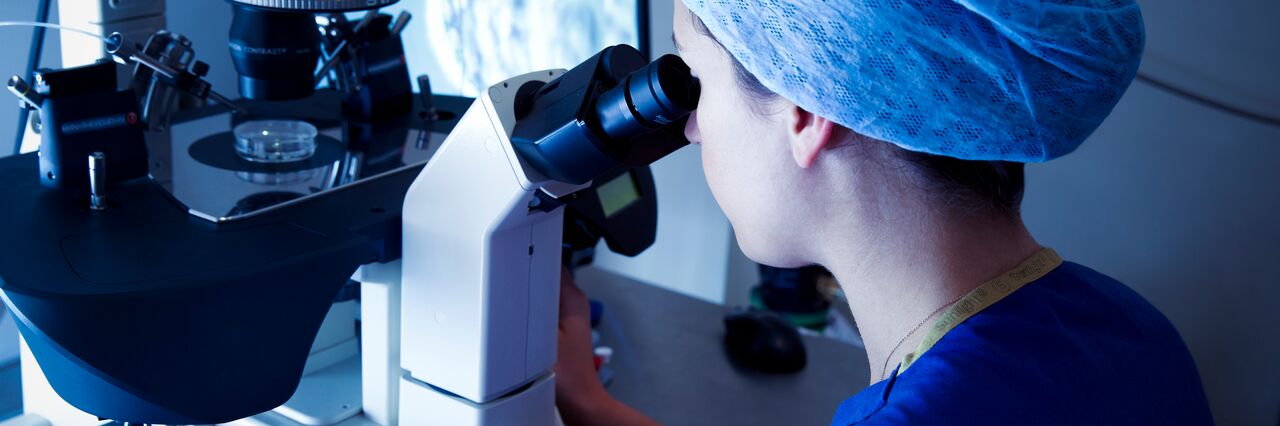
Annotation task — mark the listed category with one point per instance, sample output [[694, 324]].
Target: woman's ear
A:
[[809, 134]]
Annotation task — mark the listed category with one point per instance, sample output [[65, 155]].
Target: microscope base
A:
[[533, 406], [326, 397]]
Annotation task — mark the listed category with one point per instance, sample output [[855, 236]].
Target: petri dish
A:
[[275, 141], [279, 178]]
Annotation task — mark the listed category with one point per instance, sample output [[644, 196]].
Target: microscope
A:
[[458, 294], [480, 275]]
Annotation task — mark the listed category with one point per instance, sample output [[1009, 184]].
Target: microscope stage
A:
[[145, 313]]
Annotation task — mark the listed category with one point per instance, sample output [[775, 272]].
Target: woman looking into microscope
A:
[[885, 141]]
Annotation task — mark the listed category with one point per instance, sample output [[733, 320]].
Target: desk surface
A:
[[669, 362]]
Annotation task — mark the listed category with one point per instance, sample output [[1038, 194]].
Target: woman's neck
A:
[[898, 279]]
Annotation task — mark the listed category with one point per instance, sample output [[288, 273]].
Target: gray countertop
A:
[[669, 362]]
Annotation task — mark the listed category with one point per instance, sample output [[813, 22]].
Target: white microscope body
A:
[[461, 330], [480, 289]]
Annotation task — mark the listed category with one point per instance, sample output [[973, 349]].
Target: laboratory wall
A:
[[1179, 200], [14, 45]]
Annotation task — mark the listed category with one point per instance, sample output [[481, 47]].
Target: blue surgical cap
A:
[[1012, 80]]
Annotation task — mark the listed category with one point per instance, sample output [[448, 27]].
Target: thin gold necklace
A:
[[885, 369]]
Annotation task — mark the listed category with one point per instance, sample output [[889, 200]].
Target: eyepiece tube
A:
[[652, 97]]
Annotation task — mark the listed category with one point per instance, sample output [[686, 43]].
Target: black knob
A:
[[200, 69], [424, 92]]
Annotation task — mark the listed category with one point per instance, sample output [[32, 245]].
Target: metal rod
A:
[[364, 22], [123, 49], [155, 65], [401, 20], [424, 96], [20, 87], [350, 77], [331, 61], [342, 47], [235, 109], [168, 72], [97, 181]]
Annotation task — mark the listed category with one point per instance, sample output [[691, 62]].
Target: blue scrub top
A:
[[1073, 347]]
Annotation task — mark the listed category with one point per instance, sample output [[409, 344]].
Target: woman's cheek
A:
[[691, 131]]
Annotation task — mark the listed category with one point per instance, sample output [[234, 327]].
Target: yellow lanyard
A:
[[987, 294]]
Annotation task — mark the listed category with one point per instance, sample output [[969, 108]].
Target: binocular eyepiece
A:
[[614, 110], [652, 97]]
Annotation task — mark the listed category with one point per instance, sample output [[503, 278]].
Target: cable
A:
[[33, 61], [33, 57], [1206, 101], [53, 26]]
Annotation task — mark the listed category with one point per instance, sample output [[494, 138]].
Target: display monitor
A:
[[467, 45], [618, 194]]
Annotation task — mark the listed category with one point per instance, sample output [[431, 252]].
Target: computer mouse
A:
[[763, 341]]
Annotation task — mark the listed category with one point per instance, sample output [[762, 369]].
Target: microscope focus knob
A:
[[200, 69]]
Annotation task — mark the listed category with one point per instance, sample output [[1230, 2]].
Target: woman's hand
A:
[[578, 387], [580, 397]]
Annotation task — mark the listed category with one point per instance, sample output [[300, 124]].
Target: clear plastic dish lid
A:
[[275, 141]]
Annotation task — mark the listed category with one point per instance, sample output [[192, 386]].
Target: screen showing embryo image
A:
[[467, 45]]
